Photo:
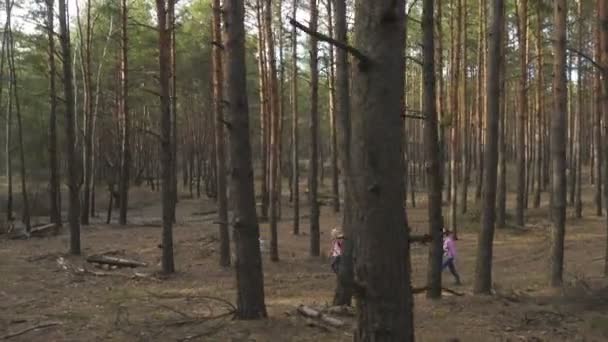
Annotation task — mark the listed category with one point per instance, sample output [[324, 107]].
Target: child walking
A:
[[337, 244], [449, 253]]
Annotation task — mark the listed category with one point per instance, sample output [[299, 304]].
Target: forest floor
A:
[[139, 305]]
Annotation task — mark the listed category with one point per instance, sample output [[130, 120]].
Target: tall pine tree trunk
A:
[[275, 137], [125, 154], [344, 289], [248, 263], [483, 269], [433, 156], [335, 180], [220, 155], [315, 234], [522, 33], [54, 179], [70, 131], [163, 8], [295, 165], [559, 127], [381, 256]]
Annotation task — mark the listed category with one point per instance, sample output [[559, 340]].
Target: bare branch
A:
[[587, 57], [363, 60]]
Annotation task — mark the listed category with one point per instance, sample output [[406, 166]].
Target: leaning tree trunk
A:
[[433, 150], [70, 131], [559, 125], [125, 154], [248, 264], [220, 155], [313, 178], [8, 133], [55, 187], [163, 7], [381, 256], [483, 269]]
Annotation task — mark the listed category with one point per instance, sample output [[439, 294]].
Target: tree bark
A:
[[54, 177], [597, 127], [344, 289], [540, 98], [381, 256], [14, 92], [275, 138], [483, 269], [70, 134], [578, 202], [603, 26], [295, 165], [433, 156], [125, 149], [335, 177], [220, 155], [248, 264], [522, 33], [559, 125], [313, 172], [163, 8]]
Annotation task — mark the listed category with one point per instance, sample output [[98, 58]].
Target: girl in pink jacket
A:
[[449, 253]]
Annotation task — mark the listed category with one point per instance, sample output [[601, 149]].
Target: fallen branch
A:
[[120, 262], [43, 230], [363, 59], [417, 290], [26, 330]]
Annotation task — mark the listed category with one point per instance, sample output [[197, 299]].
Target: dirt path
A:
[[35, 290]]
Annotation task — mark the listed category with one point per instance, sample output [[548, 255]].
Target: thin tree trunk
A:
[[125, 152], [8, 132], [218, 95], [248, 264], [597, 128], [382, 266], [335, 182], [87, 117], [463, 109], [578, 203], [540, 98], [275, 137], [295, 165], [315, 234], [559, 127], [54, 179], [603, 26], [70, 127], [264, 112], [481, 74], [483, 269], [522, 32]]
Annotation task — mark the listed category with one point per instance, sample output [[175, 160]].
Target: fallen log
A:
[[308, 311], [114, 261]]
